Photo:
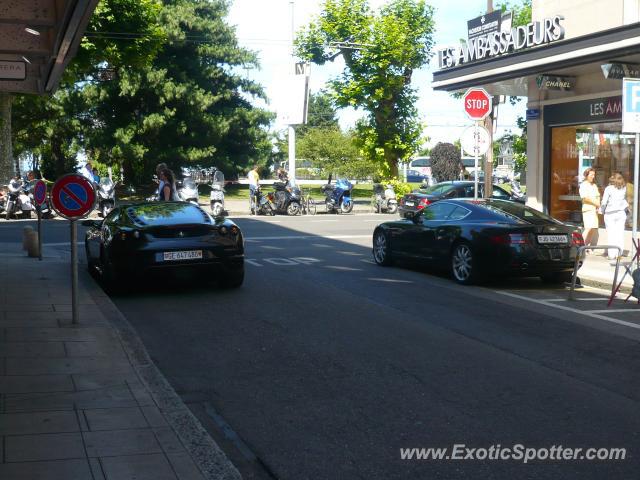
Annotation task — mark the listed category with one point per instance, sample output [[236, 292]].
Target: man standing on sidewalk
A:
[[254, 182]]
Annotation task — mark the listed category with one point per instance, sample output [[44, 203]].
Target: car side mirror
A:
[[92, 223]]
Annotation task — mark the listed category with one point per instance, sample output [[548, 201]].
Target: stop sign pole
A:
[[477, 105]]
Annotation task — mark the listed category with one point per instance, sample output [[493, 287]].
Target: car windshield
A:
[[167, 213], [438, 188], [519, 211]]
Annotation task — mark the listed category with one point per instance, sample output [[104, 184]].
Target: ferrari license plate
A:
[[552, 239], [182, 255], [409, 204]]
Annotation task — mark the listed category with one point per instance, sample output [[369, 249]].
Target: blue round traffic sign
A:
[[40, 192], [73, 196]]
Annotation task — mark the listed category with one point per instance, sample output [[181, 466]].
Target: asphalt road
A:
[[324, 365]]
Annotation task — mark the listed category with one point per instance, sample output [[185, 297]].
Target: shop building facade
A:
[[571, 75]]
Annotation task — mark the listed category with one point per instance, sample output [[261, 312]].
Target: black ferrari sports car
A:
[[146, 238], [478, 238]]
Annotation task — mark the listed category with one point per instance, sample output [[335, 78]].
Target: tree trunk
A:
[[7, 167]]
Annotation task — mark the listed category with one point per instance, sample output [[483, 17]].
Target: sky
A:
[[265, 27]]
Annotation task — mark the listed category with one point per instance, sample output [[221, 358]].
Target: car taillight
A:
[[425, 202], [509, 239], [576, 239]]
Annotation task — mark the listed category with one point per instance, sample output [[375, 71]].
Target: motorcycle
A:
[[516, 193], [286, 198], [338, 196], [384, 199], [106, 196], [18, 201], [261, 204], [188, 191], [217, 194]]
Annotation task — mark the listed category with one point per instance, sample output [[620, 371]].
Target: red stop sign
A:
[[477, 103]]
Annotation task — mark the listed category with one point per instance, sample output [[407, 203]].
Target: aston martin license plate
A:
[[182, 255], [552, 239]]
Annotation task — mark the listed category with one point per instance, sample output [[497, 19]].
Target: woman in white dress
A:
[[614, 208], [590, 196]]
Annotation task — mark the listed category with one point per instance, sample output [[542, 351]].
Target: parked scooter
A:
[[286, 198], [338, 196], [106, 196], [516, 193], [384, 199], [217, 194], [18, 203], [188, 191]]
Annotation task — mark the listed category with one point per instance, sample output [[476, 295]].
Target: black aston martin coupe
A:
[[474, 239], [148, 238]]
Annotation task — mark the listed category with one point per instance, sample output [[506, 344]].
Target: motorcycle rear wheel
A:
[[293, 209]]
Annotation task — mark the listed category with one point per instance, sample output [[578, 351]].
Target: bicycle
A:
[[308, 204]]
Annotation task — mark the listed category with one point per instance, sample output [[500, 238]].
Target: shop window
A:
[[574, 149]]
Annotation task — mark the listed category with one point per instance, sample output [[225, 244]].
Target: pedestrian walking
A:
[[254, 183], [614, 208], [590, 196], [167, 179]]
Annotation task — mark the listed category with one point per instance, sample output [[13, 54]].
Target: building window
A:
[[601, 146]]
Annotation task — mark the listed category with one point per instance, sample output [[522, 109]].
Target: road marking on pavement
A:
[[578, 299], [367, 261], [355, 254], [619, 310], [305, 237], [283, 262], [389, 280], [341, 268], [570, 309]]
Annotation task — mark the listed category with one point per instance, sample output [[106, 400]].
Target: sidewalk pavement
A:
[[85, 401]]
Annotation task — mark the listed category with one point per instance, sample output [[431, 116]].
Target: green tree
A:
[[381, 50], [333, 151], [188, 107], [445, 161], [321, 114]]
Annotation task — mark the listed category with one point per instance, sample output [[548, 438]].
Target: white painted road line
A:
[[569, 309], [306, 237], [590, 299], [618, 310]]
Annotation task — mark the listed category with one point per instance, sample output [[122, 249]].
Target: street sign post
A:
[[39, 197], [73, 197], [631, 124], [475, 141]]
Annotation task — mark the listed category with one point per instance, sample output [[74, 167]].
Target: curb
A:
[[205, 452]]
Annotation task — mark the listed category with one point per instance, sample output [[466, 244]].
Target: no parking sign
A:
[[40, 192], [73, 196]]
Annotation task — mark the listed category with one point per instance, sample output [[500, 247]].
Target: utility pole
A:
[[488, 123], [292, 130]]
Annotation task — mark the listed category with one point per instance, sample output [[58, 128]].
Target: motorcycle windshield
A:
[[218, 178], [106, 183], [188, 184]]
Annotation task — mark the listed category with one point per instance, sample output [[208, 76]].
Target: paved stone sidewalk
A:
[[84, 401]]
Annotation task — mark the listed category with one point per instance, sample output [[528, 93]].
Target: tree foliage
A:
[[171, 94], [381, 50], [333, 151], [445, 161]]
